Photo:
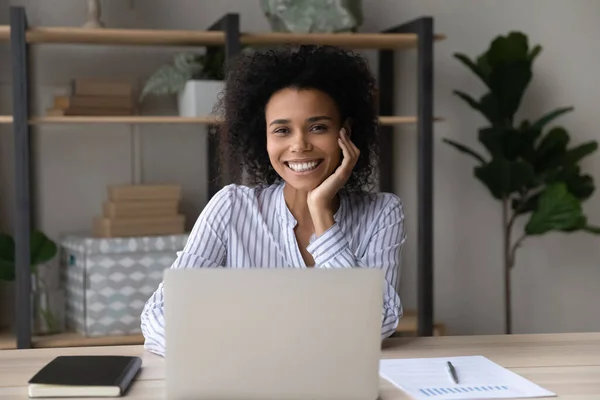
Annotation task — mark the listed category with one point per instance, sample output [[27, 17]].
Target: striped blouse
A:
[[244, 227]]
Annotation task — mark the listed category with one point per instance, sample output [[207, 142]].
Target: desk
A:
[[568, 364]]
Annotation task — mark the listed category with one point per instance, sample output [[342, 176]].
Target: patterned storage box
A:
[[108, 281]]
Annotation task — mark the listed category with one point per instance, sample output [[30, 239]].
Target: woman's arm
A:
[[205, 248], [383, 250]]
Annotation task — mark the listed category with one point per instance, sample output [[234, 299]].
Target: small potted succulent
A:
[[196, 80]]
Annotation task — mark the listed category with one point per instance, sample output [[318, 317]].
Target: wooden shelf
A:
[[70, 339], [4, 32], [74, 35], [166, 119]]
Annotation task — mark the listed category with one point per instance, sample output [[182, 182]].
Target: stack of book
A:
[[94, 97], [140, 210]]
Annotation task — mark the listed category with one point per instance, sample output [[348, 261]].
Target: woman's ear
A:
[[348, 126]]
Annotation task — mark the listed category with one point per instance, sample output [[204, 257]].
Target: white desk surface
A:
[[567, 364]]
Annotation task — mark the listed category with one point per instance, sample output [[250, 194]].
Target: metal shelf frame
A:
[[229, 24]]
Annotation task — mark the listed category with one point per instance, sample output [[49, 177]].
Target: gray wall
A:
[[556, 277]]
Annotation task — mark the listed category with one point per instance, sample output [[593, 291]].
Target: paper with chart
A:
[[478, 378]]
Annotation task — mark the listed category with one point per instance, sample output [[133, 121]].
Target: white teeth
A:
[[302, 167]]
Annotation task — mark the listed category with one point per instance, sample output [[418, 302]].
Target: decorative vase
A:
[[93, 11], [46, 306], [198, 98]]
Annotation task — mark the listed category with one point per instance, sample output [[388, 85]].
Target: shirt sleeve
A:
[[205, 248], [383, 250]]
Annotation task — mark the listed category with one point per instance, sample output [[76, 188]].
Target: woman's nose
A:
[[300, 142]]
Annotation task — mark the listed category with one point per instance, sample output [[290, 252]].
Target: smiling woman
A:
[[303, 123]]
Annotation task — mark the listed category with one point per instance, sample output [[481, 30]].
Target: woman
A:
[[304, 125]]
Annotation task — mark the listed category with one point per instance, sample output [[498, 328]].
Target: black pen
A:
[[452, 372]]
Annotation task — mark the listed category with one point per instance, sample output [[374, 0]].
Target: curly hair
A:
[[252, 79]]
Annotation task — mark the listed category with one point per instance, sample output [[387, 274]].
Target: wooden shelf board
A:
[[70, 339], [164, 119], [74, 35], [4, 32], [126, 119]]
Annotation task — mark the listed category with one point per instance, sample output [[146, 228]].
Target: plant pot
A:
[[198, 98]]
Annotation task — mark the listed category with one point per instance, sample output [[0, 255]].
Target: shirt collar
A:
[[288, 218]]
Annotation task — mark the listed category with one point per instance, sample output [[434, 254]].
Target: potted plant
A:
[[196, 80], [42, 250], [529, 169]]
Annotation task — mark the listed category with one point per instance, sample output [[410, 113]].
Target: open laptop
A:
[[273, 334]]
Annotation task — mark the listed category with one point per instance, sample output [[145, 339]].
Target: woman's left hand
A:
[[321, 198]]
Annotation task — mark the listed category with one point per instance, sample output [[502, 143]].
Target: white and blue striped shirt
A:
[[244, 227]]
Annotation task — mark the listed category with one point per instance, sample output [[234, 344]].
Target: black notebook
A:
[[85, 376]]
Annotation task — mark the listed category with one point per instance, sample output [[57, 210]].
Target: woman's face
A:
[[303, 127]]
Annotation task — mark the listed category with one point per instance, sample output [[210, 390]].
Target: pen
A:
[[452, 372]]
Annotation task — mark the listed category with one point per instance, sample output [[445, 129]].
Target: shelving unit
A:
[[417, 34], [160, 119]]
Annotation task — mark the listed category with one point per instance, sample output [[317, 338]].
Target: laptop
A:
[[273, 334]]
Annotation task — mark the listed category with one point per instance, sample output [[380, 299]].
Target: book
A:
[[140, 208], [87, 111], [85, 376], [144, 192], [142, 226], [477, 378], [100, 87], [80, 101]]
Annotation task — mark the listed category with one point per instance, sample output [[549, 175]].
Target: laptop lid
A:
[[273, 333]]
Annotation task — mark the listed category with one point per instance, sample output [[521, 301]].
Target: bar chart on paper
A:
[[478, 378]]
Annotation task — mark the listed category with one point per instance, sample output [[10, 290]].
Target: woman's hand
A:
[[320, 199]]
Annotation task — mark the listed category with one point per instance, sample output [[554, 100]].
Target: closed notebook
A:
[[85, 376]]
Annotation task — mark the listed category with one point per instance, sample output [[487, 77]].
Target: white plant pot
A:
[[198, 98]]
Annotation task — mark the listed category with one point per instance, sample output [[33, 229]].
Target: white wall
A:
[[556, 276]]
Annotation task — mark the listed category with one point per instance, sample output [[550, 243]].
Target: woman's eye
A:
[[319, 128], [281, 131]]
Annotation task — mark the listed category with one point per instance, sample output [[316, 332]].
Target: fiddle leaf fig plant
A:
[[530, 168]]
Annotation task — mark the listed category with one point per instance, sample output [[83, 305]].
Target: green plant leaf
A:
[[464, 149], [509, 83], [42, 248], [528, 137], [7, 247], [552, 147], [535, 52], [525, 205], [576, 154], [166, 80], [187, 63], [581, 186], [557, 210], [503, 177], [475, 68], [546, 119], [469, 100], [7, 258], [592, 229], [7, 271], [502, 142]]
